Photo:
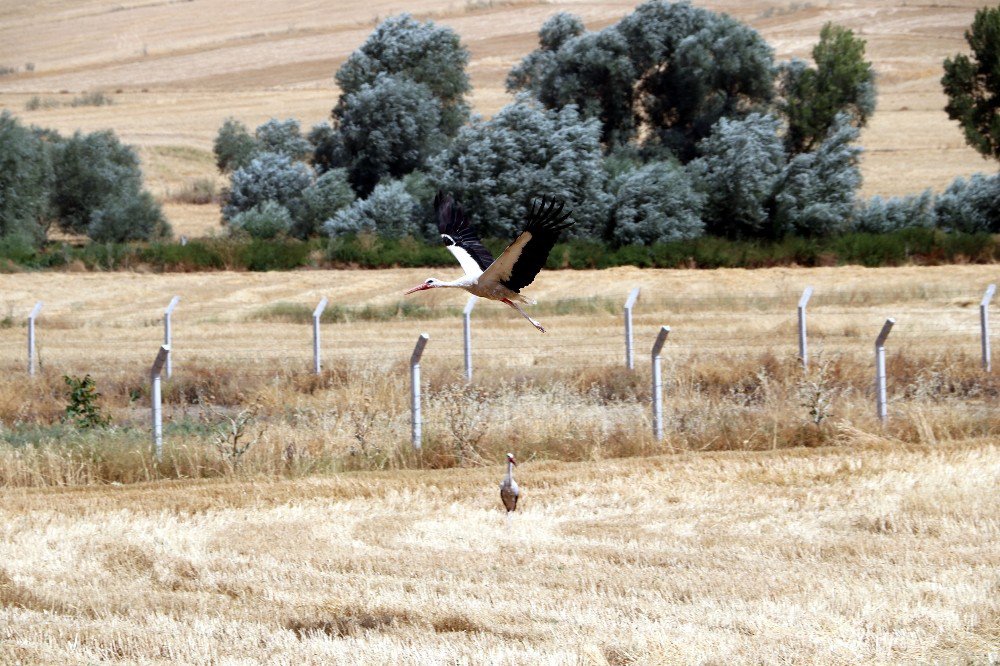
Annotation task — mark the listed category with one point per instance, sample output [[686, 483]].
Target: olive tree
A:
[[422, 52], [26, 179], [656, 203], [283, 137], [694, 67], [664, 74], [330, 193], [128, 216], [740, 165], [495, 167], [971, 205], [90, 169], [233, 146], [815, 194], [880, 215], [266, 220], [388, 128], [268, 177], [389, 211]]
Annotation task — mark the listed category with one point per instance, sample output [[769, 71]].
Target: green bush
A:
[[271, 255], [906, 246], [82, 408], [196, 255], [266, 220], [128, 215]]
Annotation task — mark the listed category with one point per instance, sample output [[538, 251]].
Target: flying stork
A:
[[499, 280], [509, 491]]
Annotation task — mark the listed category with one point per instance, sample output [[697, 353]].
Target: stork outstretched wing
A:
[[520, 262], [458, 236]]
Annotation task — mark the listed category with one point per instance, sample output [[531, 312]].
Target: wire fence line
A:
[[262, 340], [197, 334]]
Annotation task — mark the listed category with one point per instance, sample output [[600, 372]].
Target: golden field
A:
[[778, 520], [176, 70], [730, 541], [873, 553]]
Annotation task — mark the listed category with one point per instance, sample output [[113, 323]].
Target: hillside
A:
[[176, 69]]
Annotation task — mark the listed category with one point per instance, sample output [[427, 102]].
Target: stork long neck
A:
[[460, 283], [510, 470]]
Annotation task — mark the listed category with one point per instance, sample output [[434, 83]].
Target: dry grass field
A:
[[873, 553], [778, 520], [176, 70], [243, 341]]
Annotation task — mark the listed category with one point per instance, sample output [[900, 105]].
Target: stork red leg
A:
[[523, 313]]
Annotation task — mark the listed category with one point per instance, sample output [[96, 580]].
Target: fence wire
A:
[[274, 340]]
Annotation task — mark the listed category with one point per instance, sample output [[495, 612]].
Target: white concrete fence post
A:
[[803, 345], [984, 326], [31, 337], [881, 404], [155, 399], [168, 334], [415, 416], [629, 304], [658, 383], [317, 313], [467, 334]]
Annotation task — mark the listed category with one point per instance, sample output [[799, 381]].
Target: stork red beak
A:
[[419, 287], [512, 460]]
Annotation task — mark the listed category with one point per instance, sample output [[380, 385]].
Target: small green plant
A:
[[83, 409]]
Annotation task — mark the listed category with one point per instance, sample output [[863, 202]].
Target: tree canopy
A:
[[973, 84], [388, 128], [425, 53], [26, 179], [667, 73], [842, 82], [496, 167]]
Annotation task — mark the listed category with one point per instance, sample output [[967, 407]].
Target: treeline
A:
[[87, 184], [906, 246], [673, 135], [673, 124]]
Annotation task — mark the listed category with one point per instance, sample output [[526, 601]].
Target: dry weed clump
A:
[[730, 372], [356, 415]]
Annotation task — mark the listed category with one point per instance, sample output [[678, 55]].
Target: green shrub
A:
[[272, 255], [266, 220], [234, 146], [128, 215], [195, 255], [83, 409]]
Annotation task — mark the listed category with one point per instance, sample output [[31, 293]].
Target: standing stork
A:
[[503, 279], [509, 492]]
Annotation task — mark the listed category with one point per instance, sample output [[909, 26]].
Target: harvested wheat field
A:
[[175, 70], [869, 553]]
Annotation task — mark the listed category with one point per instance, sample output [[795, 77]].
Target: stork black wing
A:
[[520, 262], [458, 236]]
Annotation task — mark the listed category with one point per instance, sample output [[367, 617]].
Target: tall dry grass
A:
[[732, 379], [357, 417]]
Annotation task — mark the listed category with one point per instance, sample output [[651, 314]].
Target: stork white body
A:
[[500, 279], [509, 492], [484, 286]]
